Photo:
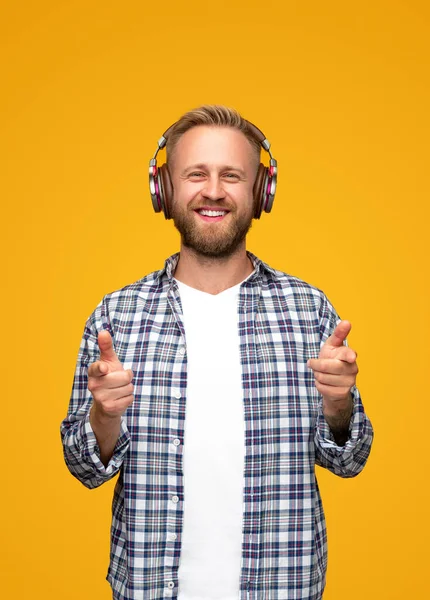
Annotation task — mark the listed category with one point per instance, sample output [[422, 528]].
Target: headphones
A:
[[161, 188]]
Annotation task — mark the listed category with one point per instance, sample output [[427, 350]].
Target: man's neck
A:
[[212, 275]]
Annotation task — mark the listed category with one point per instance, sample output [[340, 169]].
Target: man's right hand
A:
[[108, 382]]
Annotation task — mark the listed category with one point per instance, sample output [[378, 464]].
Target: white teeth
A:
[[212, 213]]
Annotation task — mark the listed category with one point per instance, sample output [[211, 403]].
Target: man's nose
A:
[[213, 188]]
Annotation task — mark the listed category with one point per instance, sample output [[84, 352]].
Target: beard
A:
[[216, 240]]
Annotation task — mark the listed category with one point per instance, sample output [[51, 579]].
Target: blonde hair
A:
[[213, 115]]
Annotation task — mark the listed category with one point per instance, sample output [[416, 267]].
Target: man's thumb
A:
[[106, 347], [340, 334]]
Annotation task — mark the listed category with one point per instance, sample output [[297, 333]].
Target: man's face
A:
[[213, 170]]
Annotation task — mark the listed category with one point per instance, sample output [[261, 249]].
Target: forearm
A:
[[349, 459], [107, 431], [338, 416]]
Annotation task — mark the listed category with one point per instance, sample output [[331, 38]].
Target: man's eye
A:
[[196, 174], [232, 176]]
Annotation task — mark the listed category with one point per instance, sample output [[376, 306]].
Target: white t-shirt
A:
[[214, 448]]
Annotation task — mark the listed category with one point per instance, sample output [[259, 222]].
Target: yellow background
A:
[[341, 90]]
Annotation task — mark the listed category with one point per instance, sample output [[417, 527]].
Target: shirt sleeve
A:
[[81, 451], [350, 459]]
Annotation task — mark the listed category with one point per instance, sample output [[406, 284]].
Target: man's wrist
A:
[[338, 417], [102, 422]]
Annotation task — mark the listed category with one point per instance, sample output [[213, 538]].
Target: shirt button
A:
[[171, 585], [176, 394], [171, 537], [176, 442], [175, 499], [182, 350]]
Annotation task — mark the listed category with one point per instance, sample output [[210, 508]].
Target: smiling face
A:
[[213, 170]]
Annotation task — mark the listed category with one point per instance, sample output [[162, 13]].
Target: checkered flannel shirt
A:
[[283, 322]]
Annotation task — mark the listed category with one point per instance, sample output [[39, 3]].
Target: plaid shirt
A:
[[283, 322]]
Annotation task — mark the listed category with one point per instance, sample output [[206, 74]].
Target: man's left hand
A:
[[335, 371]]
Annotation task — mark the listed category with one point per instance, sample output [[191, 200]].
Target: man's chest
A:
[[273, 340]]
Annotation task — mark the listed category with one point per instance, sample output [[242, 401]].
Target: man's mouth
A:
[[211, 216]]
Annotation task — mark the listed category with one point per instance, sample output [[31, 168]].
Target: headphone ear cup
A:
[[259, 188], [166, 194]]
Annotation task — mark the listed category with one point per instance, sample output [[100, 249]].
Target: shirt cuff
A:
[[90, 451]]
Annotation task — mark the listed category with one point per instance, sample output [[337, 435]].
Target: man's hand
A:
[[108, 382], [335, 372], [112, 391]]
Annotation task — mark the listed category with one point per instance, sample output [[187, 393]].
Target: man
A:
[[213, 387]]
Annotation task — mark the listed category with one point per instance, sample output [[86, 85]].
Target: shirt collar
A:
[[260, 268]]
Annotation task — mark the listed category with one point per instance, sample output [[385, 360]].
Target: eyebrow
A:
[[202, 166]]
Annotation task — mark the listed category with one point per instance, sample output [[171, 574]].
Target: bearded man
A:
[[213, 387]]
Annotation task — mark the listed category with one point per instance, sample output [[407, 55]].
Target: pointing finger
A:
[[117, 379], [350, 356], [332, 365], [343, 353], [98, 369]]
